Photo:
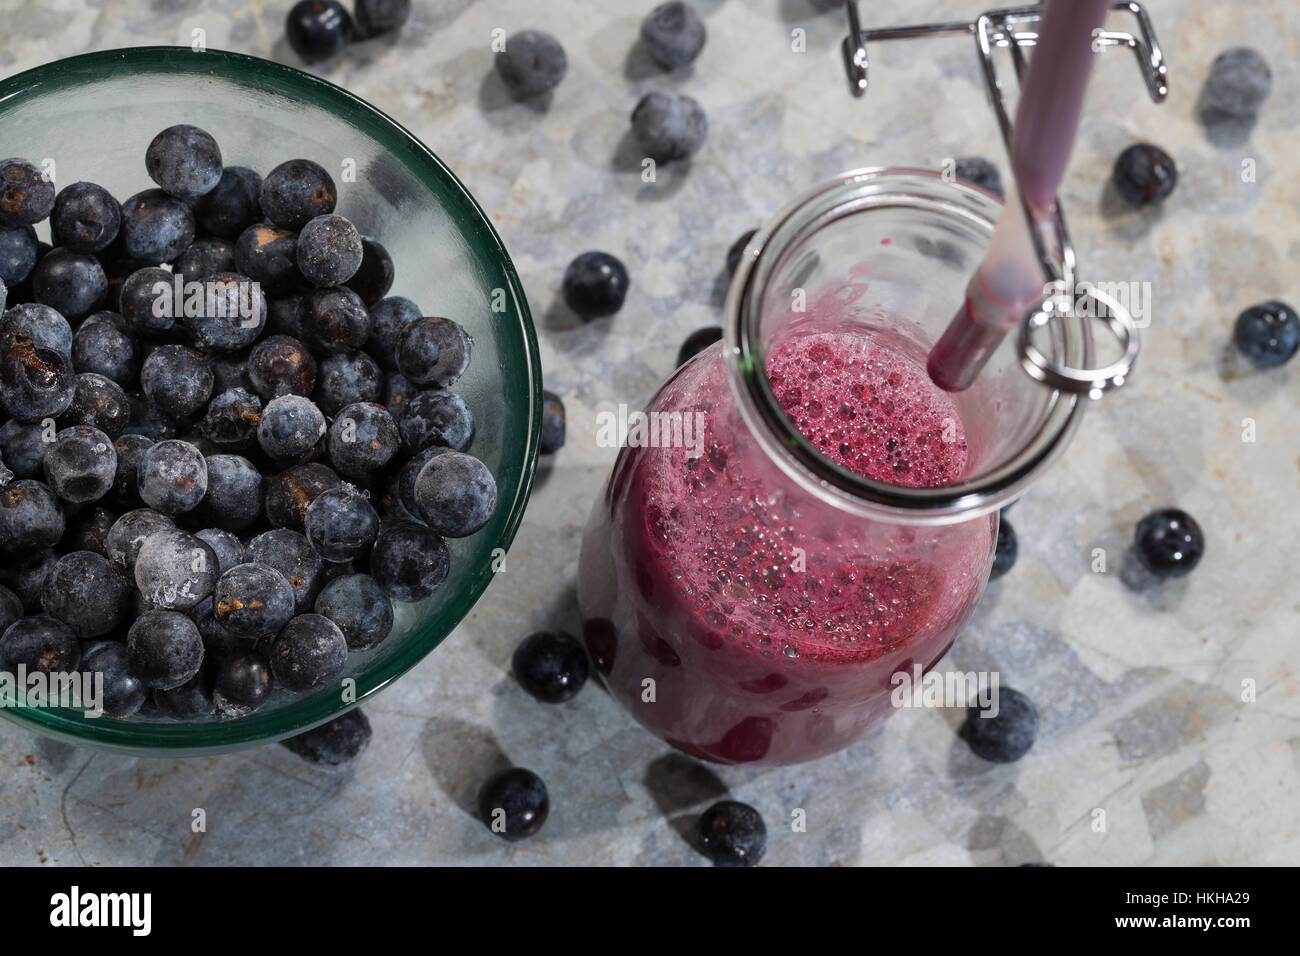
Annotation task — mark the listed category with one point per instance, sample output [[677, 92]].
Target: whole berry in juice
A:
[[232, 205], [40, 643], [241, 683], [732, 833], [436, 417], [85, 219], [85, 592], [456, 494], [172, 477], [1145, 174], [269, 255], [697, 342], [318, 29], [388, 318], [1006, 551], [363, 439], [341, 524], [1268, 334], [360, 608], [164, 649], [30, 518], [347, 378], [980, 172], [329, 251], [1004, 734], [19, 249], [228, 548], [375, 276], [514, 803], [532, 63], [669, 126], [35, 383], [433, 351], [409, 561], [308, 652], [205, 257], [185, 161], [253, 600], [145, 301], [130, 532], [552, 434], [552, 667], [103, 345], [296, 192], [334, 320], [100, 403], [1240, 81], [290, 493], [334, 742], [231, 419], [175, 570], [123, 692], [234, 497], [595, 285], [178, 380], [292, 555], [156, 227], [1169, 542], [26, 193], [280, 365], [81, 464], [291, 429], [381, 16], [673, 34]]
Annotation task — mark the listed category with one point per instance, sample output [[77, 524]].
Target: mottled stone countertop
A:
[[1140, 690]]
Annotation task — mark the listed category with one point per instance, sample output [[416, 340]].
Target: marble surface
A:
[[1140, 689]]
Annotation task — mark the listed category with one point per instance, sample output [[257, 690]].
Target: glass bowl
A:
[[94, 116]]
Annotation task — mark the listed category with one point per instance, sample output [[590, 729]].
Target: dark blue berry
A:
[[185, 161], [329, 251], [291, 430], [18, 254], [595, 285], [1004, 555], [233, 313], [290, 493], [41, 325], [673, 34], [409, 561], [241, 683], [1239, 82], [669, 126], [514, 803], [347, 378], [30, 518], [81, 464], [335, 742], [388, 318], [552, 435], [280, 365], [980, 172], [156, 227], [532, 63], [341, 524], [205, 257], [35, 383], [26, 193], [434, 351], [269, 255], [86, 218], [90, 532], [253, 600], [11, 608], [40, 644], [24, 448], [130, 532], [697, 342], [363, 439], [1268, 334], [85, 592], [308, 652], [234, 497], [436, 417], [100, 403], [164, 648], [732, 833], [233, 205], [175, 570], [145, 301], [1145, 174], [375, 276], [456, 494], [25, 576], [123, 693], [172, 477], [177, 380], [404, 486], [130, 449], [1004, 736], [296, 192], [360, 608], [191, 700], [318, 29], [292, 555], [397, 392], [1169, 542], [103, 345], [334, 320], [228, 548], [381, 16], [231, 419], [551, 667]]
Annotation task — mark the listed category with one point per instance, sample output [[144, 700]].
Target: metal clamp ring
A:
[[1091, 382]]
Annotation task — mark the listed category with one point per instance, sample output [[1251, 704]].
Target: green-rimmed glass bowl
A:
[[94, 116]]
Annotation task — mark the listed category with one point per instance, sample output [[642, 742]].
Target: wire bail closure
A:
[[1003, 29]]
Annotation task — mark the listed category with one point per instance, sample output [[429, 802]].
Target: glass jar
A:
[[800, 515]]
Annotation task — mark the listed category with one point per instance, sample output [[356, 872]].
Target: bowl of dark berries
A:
[[269, 401]]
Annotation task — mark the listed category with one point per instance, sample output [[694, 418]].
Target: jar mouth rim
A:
[[992, 488]]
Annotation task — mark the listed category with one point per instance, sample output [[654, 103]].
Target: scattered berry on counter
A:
[[1006, 551], [318, 29], [552, 667], [1145, 174], [335, 742], [514, 803], [669, 126], [381, 16], [697, 342], [532, 63], [1169, 542], [553, 423], [1239, 82], [595, 285], [673, 34], [1268, 334], [732, 833], [1004, 736]]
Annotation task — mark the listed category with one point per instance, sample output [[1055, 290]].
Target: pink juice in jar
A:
[[743, 619]]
